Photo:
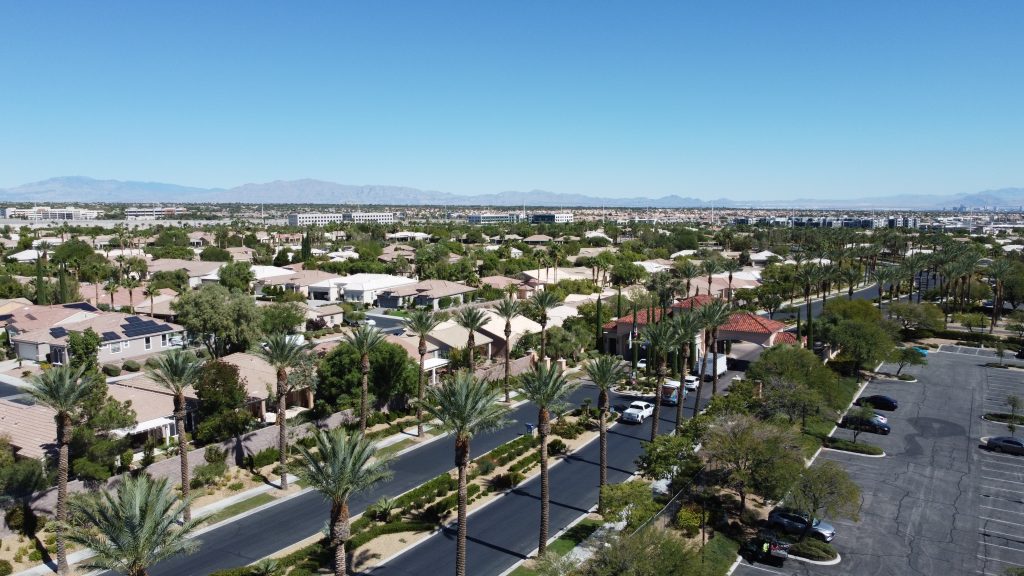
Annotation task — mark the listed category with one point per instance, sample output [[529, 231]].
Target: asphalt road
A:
[[937, 504]]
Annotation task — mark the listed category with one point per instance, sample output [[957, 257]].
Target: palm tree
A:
[[282, 353], [465, 405], [544, 301], [176, 371], [661, 338], [364, 339], [149, 292], [605, 372], [133, 528], [421, 323], [715, 314], [709, 267], [547, 388], [472, 319], [341, 466], [998, 270], [807, 277], [851, 275], [130, 283], [731, 266], [508, 309], [687, 270], [111, 287], [685, 326], [63, 389]]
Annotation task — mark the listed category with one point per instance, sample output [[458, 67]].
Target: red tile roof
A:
[[641, 319], [695, 301], [750, 322], [785, 338]]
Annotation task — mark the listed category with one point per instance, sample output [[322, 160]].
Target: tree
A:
[[130, 283], [862, 413], [544, 301], [465, 406], [176, 371], [547, 388], [755, 456], [472, 319], [222, 397], [83, 349], [507, 310], [342, 465], [715, 314], [226, 322], [282, 353], [794, 399], [824, 489], [651, 552], [215, 254], [668, 456], [236, 276], [605, 372], [632, 502], [63, 389], [685, 325], [421, 323], [1014, 403], [282, 318], [133, 528], [392, 380], [364, 339], [863, 342], [661, 339], [907, 356], [971, 321]]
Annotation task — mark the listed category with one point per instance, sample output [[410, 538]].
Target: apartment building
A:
[[48, 213], [322, 218], [493, 218], [154, 212], [552, 218]]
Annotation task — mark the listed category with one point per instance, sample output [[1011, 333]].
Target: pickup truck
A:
[[638, 412]]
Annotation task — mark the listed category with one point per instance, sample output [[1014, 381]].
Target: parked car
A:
[[878, 402], [638, 412], [1006, 444], [691, 382], [793, 522], [865, 424], [922, 350]]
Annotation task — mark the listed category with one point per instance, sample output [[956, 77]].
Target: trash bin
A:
[[530, 428]]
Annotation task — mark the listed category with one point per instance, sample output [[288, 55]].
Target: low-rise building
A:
[[322, 218], [429, 293], [154, 212], [122, 337], [552, 218]]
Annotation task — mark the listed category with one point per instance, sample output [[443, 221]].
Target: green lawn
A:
[[238, 508], [718, 555], [566, 542], [395, 448]]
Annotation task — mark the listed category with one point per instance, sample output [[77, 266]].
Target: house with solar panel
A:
[[123, 337]]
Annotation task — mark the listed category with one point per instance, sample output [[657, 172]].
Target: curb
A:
[[832, 562], [882, 455]]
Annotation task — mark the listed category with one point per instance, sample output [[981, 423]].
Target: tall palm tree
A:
[[544, 301], [807, 278], [851, 275], [130, 283], [176, 371], [364, 339], [661, 338], [472, 319], [687, 270], [731, 266], [605, 372], [342, 465], [715, 314], [685, 326], [709, 267], [111, 287], [150, 292], [508, 309], [547, 388], [998, 270], [63, 389], [133, 528], [421, 323], [466, 406], [282, 353]]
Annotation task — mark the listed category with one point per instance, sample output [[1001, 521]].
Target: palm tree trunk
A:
[[340, 530], [700, 381], [282, 425], [508, 344], [544, 429], [462, 461], [656, 415], [64, 439], [714, 356], [470, 344], [420, 390], [363, 407], [179, 423], [543, 337], [810, 324], [602, 426], [682, 390]]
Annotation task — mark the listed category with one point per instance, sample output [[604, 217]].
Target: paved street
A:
[[937, 503]]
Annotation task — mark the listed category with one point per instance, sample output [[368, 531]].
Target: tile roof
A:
[[30, 427], [752, 323]]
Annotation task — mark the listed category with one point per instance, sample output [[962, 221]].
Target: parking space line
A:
[[1000, 463], [983, 487], [1000, 521], [1001, 480], [997, 456], [1000, 546], [1001, 509], [1003, 535], [756, 567], [997, 560]]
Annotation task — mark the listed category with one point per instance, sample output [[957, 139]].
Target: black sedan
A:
[[865, 425], [1006, 444], [878, 402]]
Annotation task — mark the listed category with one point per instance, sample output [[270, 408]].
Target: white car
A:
[[641, 364], [638, 412], [691, 382]]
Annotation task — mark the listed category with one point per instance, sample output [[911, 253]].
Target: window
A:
[[115, 347], [149, 344], [163, 340]]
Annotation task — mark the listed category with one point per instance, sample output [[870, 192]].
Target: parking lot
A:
[[937, 504]]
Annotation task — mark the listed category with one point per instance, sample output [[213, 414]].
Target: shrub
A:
[[5, 568], [906, 377], [382, 508], [556, 446], [131, 366], [437, 487], [126, 458], [813, 549], [111, 370], [858, 447], [206, 474], [507, 481], [509, 451], [152, 362], [688, 521], [213, 455], [23, 520], [566, 429], [382, 529], [235, 486], [485, 466], [264, 458], [148, 452], [35, 556]]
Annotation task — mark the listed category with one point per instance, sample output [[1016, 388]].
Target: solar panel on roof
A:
[[133, 319], [81, 306], [110, 336], [58, 332]]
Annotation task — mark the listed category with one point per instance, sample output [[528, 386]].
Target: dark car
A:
[[1006, 444], [865, 425], [878, 402], [793, 522]]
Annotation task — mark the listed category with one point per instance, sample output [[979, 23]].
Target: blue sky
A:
[[746, 100]]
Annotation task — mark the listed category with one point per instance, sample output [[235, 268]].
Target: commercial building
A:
[[154, 212], [47, 213], [553, 218], [509, 218], [322, 218]]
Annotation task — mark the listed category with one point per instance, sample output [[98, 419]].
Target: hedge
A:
[[111, 370], [856, 447], [509, 451], [813, 549], [131, 366], [390, 528], [438, 487], [5, 568], [1004, 418]]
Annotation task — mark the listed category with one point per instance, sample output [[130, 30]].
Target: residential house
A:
[[538, 240], [495, 329], [428, 293], [200, 239], [30, 428], [330, 314], [363, 288], [432, 362], [449, 335], [123, 337], [260, 379], [296, 281], [195, 269]]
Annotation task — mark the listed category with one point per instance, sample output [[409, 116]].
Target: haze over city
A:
[[741, 100]]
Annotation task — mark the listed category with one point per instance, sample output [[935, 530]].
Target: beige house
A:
[[428, 293], [123, 337], [260, 380]]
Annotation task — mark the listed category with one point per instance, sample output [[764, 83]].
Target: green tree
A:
[[225, 322], [341, 466], [605, 372], [1014, 403], [236, 276], [472, 319], [421, 323], [282, 318], [668, 456], [83, 350], [652, 551], [685, 325], [863, 342], [911, 317], [544, 301], [222, 398], [971, 321], [64, 390], [133, 528], [661, 338], [824, 489], [465, 406], [629, 501], [364, 339], [176, 371], [507, 310], [547, 388], [392, 378], [904, 357], [282, 353], [215, 254]]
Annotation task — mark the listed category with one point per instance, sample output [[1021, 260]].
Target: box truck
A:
[[711, 368]]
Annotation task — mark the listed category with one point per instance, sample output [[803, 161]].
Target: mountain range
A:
[[307, 191]]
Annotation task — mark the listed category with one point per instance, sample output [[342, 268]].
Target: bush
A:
[[485, 466], [509, 451], [858, 448], [5, 568], [148, 452], [566, 429], [126, 458], [507, 480], [437, 487], [906, 377], [23, 520], [213, 455], [131, 366], [111, 370], [688, 521], [264, 458], [206, 474], [382, 529], [813, 549], [556, 446], [152, 362], [235, 486]]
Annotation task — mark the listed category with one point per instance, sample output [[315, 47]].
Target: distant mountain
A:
[[308, 191]]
